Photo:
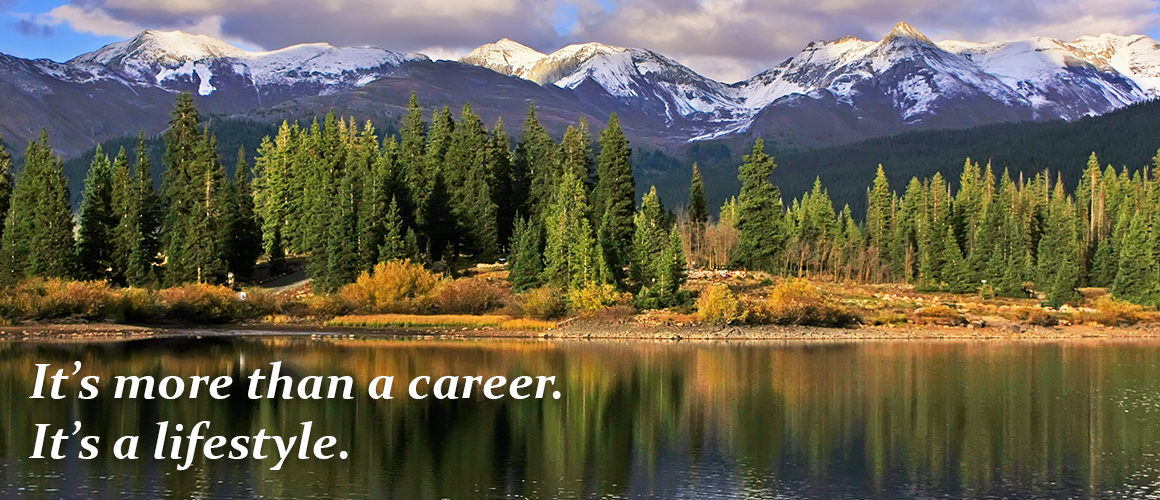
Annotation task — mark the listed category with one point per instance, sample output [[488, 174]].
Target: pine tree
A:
[[376, 221], [537, 162], [38, 234], [878, 223], [245, 245], [441, 225], [649, 240], [503, 194], [393, 247], [5, 183], [671, 270], [1059, 275], [208, 249], [1134, 278], [187, 186], [698, 211], [343, 262], [759, 214], [572, 259], [143, 218], [122, 193], [614, 198], [94, 244], [412, 151], [576, 154], [527, 262]]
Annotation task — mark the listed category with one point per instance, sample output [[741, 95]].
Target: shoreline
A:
[[581, 330]]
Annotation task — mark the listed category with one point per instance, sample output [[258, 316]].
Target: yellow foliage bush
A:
[[717, 304], [53, 298], [797, 302], [940, 315], [543, 303], [1114, 312], [398, 286], [593, 298], [469, 296], [202, 303]]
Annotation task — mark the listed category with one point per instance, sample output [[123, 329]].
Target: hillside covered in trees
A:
[[565, 214]]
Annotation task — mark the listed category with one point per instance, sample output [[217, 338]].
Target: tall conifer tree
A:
[[95, 240], [759, 214], [614, 198]]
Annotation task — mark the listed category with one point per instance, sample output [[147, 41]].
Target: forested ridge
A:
[[565, 215]]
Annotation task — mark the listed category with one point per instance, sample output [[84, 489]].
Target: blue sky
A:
[[21, 36], [725, 39]]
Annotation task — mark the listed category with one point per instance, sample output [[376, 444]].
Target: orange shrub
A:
[[201, 303], [797, 302], [543, 303], [939, 315], [393, 287], [469, 296], [1114, 312], [717, 304], [54, 298]]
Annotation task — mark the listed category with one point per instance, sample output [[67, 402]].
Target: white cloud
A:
[[94, 21], [444, 53]]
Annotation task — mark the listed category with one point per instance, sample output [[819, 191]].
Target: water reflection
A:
[[636, 420]]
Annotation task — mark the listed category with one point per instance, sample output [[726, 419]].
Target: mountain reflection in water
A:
[[909, 419]]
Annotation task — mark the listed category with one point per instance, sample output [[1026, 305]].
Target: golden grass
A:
[[527, 324], [417, 321]]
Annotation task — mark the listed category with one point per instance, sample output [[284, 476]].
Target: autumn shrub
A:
[[543, 303], [593, 297], [1115, 312], [259, 302], [329, 305], [939, 314], [1035, 316], [797, 302], [887, 318], [398, 286], [201, 303], [717, 304], [142, 304], [54, 298], [469, 296]]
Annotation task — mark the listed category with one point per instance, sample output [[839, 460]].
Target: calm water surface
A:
[[636, 420]]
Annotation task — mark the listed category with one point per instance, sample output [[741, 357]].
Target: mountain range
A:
[[831, 93]]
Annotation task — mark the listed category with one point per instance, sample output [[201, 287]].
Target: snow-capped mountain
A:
[[637, 77], [832, 92], [175, 59], [921, 82], [505, 56]]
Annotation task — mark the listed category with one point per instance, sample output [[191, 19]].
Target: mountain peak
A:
[[906, 31], [155, 45], [505, 56]]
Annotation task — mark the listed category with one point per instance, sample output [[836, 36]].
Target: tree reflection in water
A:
[[643, 420]]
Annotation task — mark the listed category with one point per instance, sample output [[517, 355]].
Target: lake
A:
[[895, 419]]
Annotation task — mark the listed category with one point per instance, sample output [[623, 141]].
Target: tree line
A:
[[999, 235], [565, 215]]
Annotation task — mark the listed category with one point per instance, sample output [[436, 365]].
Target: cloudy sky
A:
[[725, 39]]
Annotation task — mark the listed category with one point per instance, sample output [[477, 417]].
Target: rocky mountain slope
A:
[[832, 92]]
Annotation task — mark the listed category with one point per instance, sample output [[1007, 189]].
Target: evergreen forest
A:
[[564, 214]]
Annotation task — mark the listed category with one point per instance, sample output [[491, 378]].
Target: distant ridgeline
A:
[[568, 213]]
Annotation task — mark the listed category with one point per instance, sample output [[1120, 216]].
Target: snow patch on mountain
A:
[[157, 57]]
